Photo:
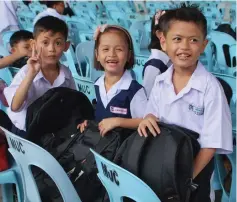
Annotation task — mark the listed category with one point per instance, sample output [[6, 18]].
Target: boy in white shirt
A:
[[55, 8], [189, 96], [42, 72]]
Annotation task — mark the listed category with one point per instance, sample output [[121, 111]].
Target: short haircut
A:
[[186, 14], [130, 63], [50, 4], [22, 35], [50, 23]]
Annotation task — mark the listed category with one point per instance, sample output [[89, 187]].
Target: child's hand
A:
[[150, 122], [82, 126], [34, 63], [108, 124]]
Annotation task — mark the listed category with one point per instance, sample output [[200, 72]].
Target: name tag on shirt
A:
[[118, 110]]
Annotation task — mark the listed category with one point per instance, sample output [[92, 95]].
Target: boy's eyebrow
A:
[[115, 46], [185, 36], [55, 39]]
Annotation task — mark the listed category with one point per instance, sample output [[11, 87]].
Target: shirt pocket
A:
[[194, 109]]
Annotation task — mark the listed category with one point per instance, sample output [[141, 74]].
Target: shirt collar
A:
[[158, 54], [62, 73], [122, 84], [197, 80]]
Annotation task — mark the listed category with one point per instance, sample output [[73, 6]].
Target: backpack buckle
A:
[[193, 186]]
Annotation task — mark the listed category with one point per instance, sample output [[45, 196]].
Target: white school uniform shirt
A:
[[39, 86], [139, 101], [48, 12], [201, 106], [152, 72]]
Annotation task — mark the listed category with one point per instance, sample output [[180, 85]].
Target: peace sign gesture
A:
[[34, 63]]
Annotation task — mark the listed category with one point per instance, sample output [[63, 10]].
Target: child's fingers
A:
[[151, 129], [39, 53], [143, 131], [139, 131], [155, 125], [102, 131], [82, 128], [33, 50]]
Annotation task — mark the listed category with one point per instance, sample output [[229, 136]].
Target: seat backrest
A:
[[5, 73], [27, 154], [220, 39], [85, 59], [25, 19], [120, 183], [231, 81], [233, 55], [6, 39]]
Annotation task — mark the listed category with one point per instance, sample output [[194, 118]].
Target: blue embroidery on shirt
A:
[[197, 110]]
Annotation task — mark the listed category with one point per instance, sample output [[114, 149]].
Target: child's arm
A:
[[34, 65], [110, 123], [202, 159], [21, 93], [10, 59]]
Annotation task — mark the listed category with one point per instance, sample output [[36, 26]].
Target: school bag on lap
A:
[[51, 123], [164, 162]]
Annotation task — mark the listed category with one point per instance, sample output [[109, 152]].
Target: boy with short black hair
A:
[[42, 72], [189, 96], [20, 49]]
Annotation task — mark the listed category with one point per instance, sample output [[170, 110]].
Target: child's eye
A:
[[105, 49], [45, 42], [176, 39], [58, 43], [119, 49], [194, 40]]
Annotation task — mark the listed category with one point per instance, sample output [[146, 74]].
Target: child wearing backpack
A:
[[20, 50], [42, 71], [120, 99], [189, 96], [158, 62]]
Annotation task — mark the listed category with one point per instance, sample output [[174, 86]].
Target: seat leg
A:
[[7, 192]]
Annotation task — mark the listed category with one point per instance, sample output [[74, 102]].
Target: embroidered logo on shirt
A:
[[197, 110], [118, 110]]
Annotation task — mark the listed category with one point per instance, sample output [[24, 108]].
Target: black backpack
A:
[[51, 123], [164, 162]]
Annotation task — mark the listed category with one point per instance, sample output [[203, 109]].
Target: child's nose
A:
[[51, 48], [184, 44], [112, 53]]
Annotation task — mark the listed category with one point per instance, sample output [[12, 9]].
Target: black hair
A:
[[50, 4], [155, 42], [21, 35], [50, 23], [130, 63], [186, 14]]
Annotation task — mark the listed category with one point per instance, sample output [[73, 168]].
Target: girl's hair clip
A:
[[100, 28], [158, 14]]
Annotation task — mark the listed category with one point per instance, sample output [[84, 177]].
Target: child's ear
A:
[[32, 42], [205, 42], [96, 55], [67, 45], [159, 34], [163, 43], [161, 37], [13, 50]]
